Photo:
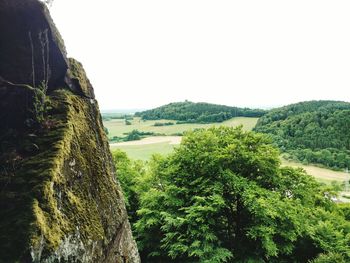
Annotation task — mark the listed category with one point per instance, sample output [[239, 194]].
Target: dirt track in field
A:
[[151, 140]]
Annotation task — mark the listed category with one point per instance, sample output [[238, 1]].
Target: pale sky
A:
[[146, 53]]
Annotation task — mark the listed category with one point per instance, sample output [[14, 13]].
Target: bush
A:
[[163, 124]]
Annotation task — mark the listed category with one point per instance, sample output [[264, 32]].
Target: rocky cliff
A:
[[59, 197]]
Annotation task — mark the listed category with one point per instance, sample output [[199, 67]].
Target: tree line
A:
[[190, 112]]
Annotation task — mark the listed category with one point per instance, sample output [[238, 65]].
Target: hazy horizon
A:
[[257, 54]]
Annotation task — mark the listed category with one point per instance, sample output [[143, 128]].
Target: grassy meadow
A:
[[145, 151]]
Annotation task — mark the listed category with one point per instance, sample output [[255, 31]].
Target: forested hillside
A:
[[311, 132], [191, 112]]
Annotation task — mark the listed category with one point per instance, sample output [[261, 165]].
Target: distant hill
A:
[[311, 132], [190, 112]]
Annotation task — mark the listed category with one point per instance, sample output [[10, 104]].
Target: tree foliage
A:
[[223, 197], [129, 175], [311, 132], [190, 112]]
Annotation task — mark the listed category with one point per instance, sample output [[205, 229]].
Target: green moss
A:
[[48, 228], [76, 72], [74, 201], [64, 187]]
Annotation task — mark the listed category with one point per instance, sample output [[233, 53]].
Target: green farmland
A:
[[143, 151], [117, 127]]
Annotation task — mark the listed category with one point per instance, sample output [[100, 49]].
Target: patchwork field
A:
[[151, 140], [143, 149], [144, 152], [117, 127]]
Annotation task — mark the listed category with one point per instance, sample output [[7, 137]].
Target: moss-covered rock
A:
[[62, 201], [79, 82], [59, 197]]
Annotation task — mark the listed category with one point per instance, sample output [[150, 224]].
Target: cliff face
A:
[[59, 197]]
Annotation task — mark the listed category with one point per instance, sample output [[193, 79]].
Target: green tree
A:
[[222, 197], [129, 173], [134, 135]]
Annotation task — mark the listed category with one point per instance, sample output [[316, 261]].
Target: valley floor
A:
[[150, 140], [164, 144], [143, 149]]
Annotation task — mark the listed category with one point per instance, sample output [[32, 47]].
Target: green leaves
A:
[[222, 197], [311, 132]]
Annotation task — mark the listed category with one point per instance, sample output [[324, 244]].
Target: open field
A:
[[145, 151], [321, 174], [117, 127], [150, 140]]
